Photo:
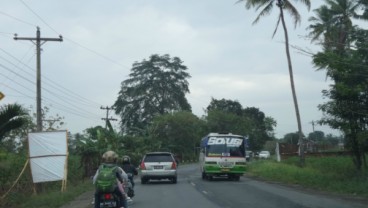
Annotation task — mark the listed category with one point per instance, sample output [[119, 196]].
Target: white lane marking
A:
[[193, 184], [205, 192]]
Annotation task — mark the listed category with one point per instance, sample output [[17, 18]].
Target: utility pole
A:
[[38, 41], [107, 108], [312, 125]]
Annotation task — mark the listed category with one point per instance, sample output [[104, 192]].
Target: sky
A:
[[227, 57]]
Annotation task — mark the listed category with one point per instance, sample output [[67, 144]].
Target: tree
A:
[[334, 22], [179, 133], [344, 57], [229, 116], [155, 87], [266, 7], [225, 105], [291, 138], [12, 116], [316, 136]]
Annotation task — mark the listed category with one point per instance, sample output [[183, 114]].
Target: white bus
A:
[[223, 155]]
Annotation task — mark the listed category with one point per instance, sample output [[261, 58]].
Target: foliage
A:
[[230, 116], [228, 106], [179, 133], [155, 87], [344, 57], [12, 116], [266, 7], [316, 136], [333, 174], [291, 138], [11, 165]]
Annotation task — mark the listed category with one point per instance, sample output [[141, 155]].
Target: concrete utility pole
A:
[[38, 41], [312, 125], [107, 108]]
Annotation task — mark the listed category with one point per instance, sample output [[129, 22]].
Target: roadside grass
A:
[[331, 174], [54, 198]]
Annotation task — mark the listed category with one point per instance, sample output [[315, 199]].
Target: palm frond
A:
[[267, 8], [277, 26], [293, 12]]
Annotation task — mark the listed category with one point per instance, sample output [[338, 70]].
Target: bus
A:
[[223, 155]]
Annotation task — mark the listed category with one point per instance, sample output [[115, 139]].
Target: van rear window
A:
[[158, 158]]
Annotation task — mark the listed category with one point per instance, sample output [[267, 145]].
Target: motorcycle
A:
[[109, 200], [129, 189]]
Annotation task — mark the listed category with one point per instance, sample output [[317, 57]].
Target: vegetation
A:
[[157, 116], [331, 174], [266, 7], [155, 87], [344, 56], [11, 117]]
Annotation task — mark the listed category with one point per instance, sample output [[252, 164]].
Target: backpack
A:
[[106, 179]]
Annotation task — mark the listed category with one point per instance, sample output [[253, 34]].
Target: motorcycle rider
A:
[[109, 159], [129, 169]]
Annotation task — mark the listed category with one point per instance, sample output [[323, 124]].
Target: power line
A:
[[51, 83], [22, 21]]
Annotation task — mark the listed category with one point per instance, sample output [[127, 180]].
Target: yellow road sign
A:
[[1, 95]]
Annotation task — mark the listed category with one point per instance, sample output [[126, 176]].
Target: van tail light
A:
[[173, 165], [143, 167]]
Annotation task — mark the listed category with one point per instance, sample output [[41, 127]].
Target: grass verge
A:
[[331, 174], [51, 198]]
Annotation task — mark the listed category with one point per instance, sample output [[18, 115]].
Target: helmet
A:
[[126, 159], [109, 157]]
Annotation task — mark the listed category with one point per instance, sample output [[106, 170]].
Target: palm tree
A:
[[12, 116], [266, 7], [334, 22]]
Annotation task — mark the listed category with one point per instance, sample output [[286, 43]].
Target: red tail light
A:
[[173, 165], [143, 167], [108, 196]]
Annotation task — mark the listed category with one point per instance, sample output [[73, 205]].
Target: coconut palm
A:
[[265, 7], [12, 116], [334, 22]]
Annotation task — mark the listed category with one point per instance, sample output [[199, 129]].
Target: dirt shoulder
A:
[[82, 201]]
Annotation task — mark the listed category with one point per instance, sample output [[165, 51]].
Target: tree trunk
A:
[[300, 132]]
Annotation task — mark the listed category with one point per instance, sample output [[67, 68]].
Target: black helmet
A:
[[126, 159]]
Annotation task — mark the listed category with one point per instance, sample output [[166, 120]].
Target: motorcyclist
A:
[[129, 169], [109, 159]]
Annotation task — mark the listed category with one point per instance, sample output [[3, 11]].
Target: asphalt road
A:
[[192, 191]]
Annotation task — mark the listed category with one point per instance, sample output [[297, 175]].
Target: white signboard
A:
[[48, 155]]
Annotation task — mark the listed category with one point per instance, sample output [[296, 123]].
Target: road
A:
[[192, 191]]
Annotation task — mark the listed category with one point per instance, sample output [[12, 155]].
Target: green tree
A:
[[344, 58], [334, 22], [229, 116], [179, 133], [225, 105], [266, 7], [225, 122], [155, 87], [291, 138], [258, 133], [12, 116], [316, 136]]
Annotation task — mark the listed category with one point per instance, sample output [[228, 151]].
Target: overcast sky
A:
[[226, 56]]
